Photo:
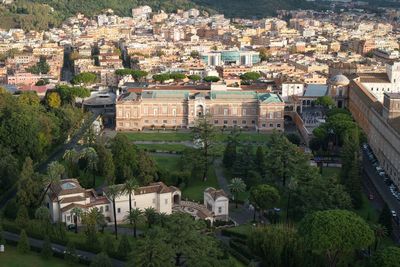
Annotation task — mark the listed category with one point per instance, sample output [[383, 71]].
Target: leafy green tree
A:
[[147, 168], [283, 159], [29, 185], [277, 245], [106, 168], [134, 217], [8, 169], [177, 76], [237, 186], [71, 157], [124, 156], [259, 160], [42, 67], [335, 233], [205, 133], [123, 72], [29, 98], [138, 75], [294, 138], [55, 171], [124, 247], [230, 152], [42, 214], [89, 219], [388, 257], [151, 216], [250, 76], [47, 251], [108, 245], [195, 54], [22, 220], [325, 101], [70, 255], [380, 233], [264, 197], [194, 78], [53, 100], [85, 78], [385, 219], [23, 243], [101, 260], [161, 77], [244, 164], [113, 192], [152, 250], [211, 79], [92, 159], [69, 94]]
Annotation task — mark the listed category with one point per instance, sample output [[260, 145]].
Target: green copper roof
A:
[[166, 94], [263, 97]]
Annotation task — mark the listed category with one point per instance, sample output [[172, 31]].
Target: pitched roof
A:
[[215, 194]]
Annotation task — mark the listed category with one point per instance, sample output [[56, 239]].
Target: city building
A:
[[180, 109]]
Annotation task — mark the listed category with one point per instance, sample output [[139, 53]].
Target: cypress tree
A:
[[385, 219], [23, 243]]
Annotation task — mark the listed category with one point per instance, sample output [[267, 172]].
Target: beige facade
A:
[[381, 123], [180, 109]]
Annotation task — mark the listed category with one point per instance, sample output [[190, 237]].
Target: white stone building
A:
[[217, 202], [63, 197]]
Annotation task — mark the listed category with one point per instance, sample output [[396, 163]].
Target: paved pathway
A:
[[222, 181], [58, 248]]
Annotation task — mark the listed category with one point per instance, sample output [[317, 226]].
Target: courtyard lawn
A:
[[195, 188], [166, 162], [368, 212], [162, 147], [12, 258], [188, 136], [159, 136]]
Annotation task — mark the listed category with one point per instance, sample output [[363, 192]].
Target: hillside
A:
[[42, 14]]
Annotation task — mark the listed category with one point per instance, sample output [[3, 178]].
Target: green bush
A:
[[228, 232], [23, 243]]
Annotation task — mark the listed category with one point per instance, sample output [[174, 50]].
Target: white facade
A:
[[217, 202], [62, 198], [292, 89]]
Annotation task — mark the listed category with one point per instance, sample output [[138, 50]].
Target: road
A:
[[58, 248], [376, 183]]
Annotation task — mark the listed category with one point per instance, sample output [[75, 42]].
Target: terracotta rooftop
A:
[[214, 193], [374, 78]]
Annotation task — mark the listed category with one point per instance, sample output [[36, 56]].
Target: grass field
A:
[[12, 258], [187, 136], [330, 172], [162, 147]]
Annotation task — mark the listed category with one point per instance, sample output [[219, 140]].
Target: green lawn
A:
[[367, 211], [194, 190], [162, 147], [170, 163], [12, 258], [187, 136]]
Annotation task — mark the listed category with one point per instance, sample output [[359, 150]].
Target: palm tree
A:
[[162, 219], [237, 186], [134, 216], [129, 188], [71, 157], [92, 158], [113, 192], [151, 216], [55, 171], [380, 232], [76, 213]]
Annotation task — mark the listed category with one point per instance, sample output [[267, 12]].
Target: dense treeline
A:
[[29, 129]]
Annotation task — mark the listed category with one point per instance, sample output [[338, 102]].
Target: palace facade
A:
[[180, 109]]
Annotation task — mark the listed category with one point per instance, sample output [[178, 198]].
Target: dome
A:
[[339, 80]]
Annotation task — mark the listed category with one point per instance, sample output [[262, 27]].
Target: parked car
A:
[[71, 227], [379, 169], [383, 174], [371, 196], [394, 213]]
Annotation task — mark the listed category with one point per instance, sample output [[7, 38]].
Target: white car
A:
[[379, 169], [393, 213]]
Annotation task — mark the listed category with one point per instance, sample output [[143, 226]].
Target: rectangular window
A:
[[215, 121], [278, 125], [253, 122], [107, 208], [271, 125], [219, 210], [225, 111], [119, 210], [225, 122], [101, 209], [234, 122], [68, 218], [271, 115], [264, 125], [244, 112], [146, 121], [244, 122], [165, 121]]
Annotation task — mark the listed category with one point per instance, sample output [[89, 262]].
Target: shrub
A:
[[23, 243], [46, 252]]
